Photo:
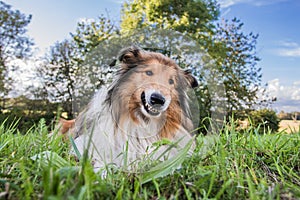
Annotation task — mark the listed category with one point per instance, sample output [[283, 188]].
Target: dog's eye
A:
[[171, 81], [149, 73]]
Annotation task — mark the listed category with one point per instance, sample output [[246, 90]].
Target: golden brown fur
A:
[[65, 126]]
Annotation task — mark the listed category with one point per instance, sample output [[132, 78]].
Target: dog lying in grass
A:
[[147, 102]]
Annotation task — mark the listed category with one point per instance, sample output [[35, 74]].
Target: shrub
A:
[[23, 121], [266, 119]]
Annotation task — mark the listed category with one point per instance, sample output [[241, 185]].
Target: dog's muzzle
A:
[[154, 103]]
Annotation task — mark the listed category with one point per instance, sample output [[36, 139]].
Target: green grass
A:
[[232, 165]]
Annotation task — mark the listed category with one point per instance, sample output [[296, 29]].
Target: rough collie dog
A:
[[146, 102]]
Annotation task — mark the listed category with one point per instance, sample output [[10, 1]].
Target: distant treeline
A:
[[23, 113], [289, 116]]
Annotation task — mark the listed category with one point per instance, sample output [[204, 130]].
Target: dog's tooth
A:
[[150, 108], [154, 110]]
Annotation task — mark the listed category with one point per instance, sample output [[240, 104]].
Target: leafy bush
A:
[[24, 121], [24, 113], [265, 119]]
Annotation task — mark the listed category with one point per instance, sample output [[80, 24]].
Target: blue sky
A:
[[276, 22]]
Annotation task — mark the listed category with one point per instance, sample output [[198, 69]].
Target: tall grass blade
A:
[[166, 167], [3, 145], [48, 158], [77, 153]]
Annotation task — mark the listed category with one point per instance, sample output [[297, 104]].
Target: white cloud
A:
[[289, 44], [288, 49], [288, 97], [228, 3], [225, 12], [297, 83], [295, 52]]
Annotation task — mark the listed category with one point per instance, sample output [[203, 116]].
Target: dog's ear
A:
[[190, 78], [131, 55]]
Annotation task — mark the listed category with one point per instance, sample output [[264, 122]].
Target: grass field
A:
[[229, 165]]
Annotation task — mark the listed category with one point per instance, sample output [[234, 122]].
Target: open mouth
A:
[[150, 109]]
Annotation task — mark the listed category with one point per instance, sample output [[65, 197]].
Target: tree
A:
[[73, 69], [236, 59], [90, 33], [14, 44], [186, 16], [265, 120], [58, 75], [90, 39]]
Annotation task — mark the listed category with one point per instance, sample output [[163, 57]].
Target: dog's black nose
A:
[[157, 99]]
